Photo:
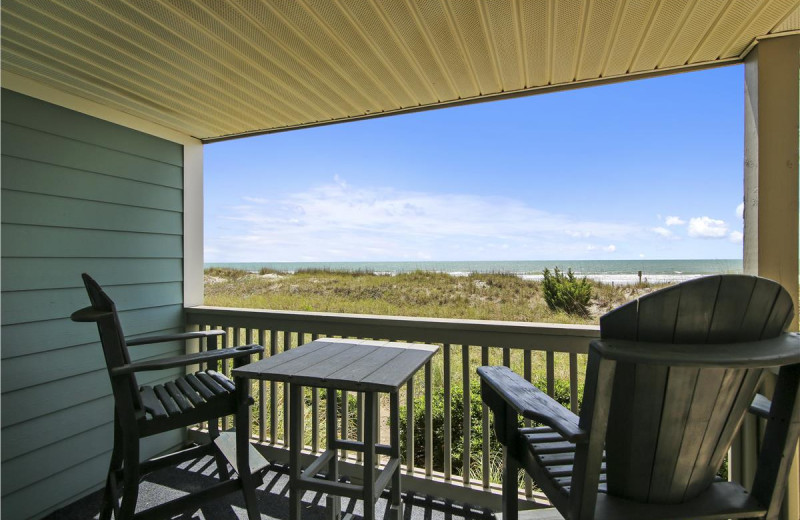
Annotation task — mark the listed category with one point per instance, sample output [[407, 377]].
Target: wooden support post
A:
[[771, 208]]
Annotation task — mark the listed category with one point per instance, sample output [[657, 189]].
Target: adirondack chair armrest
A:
[[530, 402], [779, 351], [183, 336], [188, 359]]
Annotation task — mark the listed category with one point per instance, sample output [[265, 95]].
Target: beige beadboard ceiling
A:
[[217, 69]]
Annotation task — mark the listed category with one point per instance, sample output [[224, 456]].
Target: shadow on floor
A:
[[273, 499]]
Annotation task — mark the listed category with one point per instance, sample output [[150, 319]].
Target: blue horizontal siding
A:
[[28, 338], [78, 195]]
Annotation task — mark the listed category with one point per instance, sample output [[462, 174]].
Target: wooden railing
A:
[[553, 355]]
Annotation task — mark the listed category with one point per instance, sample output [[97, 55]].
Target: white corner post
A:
[[193, 224], [192, 235], [771, 214]]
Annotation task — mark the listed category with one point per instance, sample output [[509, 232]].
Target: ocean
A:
[[607, 271]]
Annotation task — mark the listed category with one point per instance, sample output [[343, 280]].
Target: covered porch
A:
[[106, 108]]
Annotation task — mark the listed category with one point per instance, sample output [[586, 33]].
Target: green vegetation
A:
[[566, 292], [481, 296]]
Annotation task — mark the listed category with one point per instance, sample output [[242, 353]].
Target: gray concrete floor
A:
[[273, 498]]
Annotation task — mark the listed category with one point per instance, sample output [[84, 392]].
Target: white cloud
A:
[[736, 236], [705, 227], [674, 221], [664, 232], [608, 249], [340, 222], [740, 210]]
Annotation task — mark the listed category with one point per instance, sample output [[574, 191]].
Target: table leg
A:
[[370, 438], [396, 506], [295, 447], [333, 502]]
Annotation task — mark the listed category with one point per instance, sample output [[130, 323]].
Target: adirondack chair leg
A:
[[780, 441], [510, 476], [248, 480], [130, 476], [222, 464]]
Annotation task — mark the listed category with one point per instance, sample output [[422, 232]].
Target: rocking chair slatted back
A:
[[115, 349]]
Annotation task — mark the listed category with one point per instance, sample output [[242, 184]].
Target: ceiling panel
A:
[[215, 69]]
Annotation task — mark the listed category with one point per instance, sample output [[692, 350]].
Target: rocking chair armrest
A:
[[174, 337], [89, 314], [529, 401], [189, 359]]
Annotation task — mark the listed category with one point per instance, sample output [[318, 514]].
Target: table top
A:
[[344, 364]]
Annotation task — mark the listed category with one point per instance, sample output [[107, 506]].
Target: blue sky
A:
[[643, 169]]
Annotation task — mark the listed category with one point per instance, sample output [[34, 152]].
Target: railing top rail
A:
[[538, 336]]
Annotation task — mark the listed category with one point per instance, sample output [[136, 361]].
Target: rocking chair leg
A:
[[130, 476], [510, 476], [109, 494], [222, 464], [108, 498]]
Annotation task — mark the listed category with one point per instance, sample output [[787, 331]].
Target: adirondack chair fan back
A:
[[667, 388], [670, 427]]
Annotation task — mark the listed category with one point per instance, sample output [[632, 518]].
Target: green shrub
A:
[[566, 292]]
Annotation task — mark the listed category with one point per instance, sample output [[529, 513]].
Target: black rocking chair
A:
[[144, 411]]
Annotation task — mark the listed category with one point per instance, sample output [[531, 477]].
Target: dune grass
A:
[[481, 296]]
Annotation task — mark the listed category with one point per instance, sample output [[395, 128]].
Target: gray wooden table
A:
[[335, 364]]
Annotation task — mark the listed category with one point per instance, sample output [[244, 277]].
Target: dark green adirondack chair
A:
[[142, 411], [667, 387]]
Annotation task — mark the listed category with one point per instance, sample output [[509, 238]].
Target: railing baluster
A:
[[315, 412], [507, 357], [219, 342], [249, 340], [526, 368], [428, 420], [551, 373], [262, 394], [359, 422], [467, 425], [227, 364], [273, 391], [486, 426], [300, 341], [573, 382], [448, 428], [287, 345], [203, 347], [410, 426], [345, 419]]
